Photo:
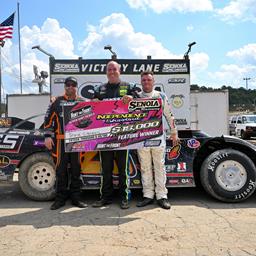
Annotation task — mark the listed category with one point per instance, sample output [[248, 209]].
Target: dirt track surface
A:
[[196, 225]]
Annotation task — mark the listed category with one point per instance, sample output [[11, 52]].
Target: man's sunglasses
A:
[[70, 85]]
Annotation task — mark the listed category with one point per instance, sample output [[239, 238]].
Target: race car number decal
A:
[[10, 142]]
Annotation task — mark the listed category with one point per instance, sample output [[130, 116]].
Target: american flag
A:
[[6, 28]]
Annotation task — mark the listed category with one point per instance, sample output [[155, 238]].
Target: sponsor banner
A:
[[110, 124], [127, 66]]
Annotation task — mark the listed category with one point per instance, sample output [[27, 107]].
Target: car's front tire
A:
[[228, 175], [37, 177]]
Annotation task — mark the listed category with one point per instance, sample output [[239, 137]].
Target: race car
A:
[[224, 165]]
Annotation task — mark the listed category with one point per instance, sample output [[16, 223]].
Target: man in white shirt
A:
[[154, 178]]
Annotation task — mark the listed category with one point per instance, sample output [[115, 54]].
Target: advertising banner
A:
[[111, 124], [172, 77]]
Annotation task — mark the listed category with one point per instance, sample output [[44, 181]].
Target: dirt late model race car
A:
[[225, 165]]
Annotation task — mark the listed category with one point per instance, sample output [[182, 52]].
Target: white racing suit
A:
[[154, 179]]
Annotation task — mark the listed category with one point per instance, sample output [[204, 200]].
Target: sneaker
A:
[[145, 201], [101, 202], [164, 203], [79, 204], [57, 204], [124, 204]]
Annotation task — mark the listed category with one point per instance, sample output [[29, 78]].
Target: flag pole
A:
[[18, 9], [0, 79]]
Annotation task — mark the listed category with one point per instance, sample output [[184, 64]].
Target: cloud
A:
[[232, 75], [118, 31], [238, 10], [51, 37], [160, 6], [190, 28], [246, 54]]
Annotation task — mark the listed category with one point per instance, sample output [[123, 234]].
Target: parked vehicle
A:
[[232, 125], [246, 126]]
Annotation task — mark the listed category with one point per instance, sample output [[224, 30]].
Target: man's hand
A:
[[175, 139], [49, 143], [126, 99]]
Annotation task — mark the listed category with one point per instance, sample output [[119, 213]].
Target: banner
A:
[[110, 124]]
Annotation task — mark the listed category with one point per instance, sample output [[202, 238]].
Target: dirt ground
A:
[[197, 224]]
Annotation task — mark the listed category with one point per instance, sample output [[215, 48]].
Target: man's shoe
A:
[[101, 202], [145, 201], [124, 204], [57, 204], [164, 203], [79, 204]]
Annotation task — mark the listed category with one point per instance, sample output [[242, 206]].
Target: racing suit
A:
[[53, 123], [109, 91], [153, 180]]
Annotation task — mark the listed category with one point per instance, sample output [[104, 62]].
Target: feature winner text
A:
[[122, 130]]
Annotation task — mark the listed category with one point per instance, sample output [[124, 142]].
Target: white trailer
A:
[[210, 112]]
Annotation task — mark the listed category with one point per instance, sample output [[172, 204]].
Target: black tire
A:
[[37, 177], [227, 166]]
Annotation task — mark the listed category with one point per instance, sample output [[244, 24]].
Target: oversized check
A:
[[111, 124]]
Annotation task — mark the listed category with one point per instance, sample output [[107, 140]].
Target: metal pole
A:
[[0, 82], [18, 8]]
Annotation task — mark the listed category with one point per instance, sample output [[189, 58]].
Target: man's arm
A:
[[48, 125]]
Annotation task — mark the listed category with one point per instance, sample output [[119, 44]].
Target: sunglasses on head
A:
[[70, 85]]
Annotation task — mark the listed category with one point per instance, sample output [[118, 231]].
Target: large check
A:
[[111, 124]]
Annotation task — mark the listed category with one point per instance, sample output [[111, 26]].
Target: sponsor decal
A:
[[174, 152], [152, 143], [173, 181], [4, 161], [246, 191], [59, 80], [39, 143], [5, 122], [181, 167], [10, 142], [181, 121], [193, 143], [177, 100], [176, 80], [170, 168], [81, 112], [66, 68], [144, 105], [186, 181], [115, 182], [174, 67], [109, 145], [93, 182], [136, 182], [211, 166]]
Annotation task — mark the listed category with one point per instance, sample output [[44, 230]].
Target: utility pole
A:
[[246, 81]]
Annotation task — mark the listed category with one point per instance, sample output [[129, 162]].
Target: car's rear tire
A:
[[37, 177], [243, 135], [228, 175]]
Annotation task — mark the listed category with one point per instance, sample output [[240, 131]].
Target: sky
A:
[[224, 32]]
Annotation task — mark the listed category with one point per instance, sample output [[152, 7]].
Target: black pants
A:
[[107, 164], [63, 161]]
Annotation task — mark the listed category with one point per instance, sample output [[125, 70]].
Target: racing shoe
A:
[[101, 202], [145, 201], [124, 204], [57, 204], [164, 203], [79, 204]]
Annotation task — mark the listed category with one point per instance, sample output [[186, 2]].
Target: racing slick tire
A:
[[228, 175], [37, 177]]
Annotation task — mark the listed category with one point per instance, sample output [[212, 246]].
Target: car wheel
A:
[[37, 177], [228, 175]]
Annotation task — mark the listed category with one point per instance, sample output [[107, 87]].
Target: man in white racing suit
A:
[[154, 178]]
